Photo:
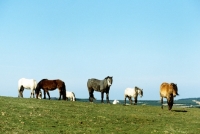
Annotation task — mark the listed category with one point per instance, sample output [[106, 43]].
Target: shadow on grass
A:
[[178, 110]]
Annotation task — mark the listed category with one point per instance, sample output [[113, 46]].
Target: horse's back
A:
[[129, 92], [168, 89], [52, 83], [68, 93], [93, 83], [93, 80], [27, 83]]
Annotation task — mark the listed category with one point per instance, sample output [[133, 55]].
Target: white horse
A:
[[133, 92], [70, 95], [115, 102], [26, 84]]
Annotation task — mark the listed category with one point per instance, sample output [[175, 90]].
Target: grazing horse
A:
[[169, 91], [70, 95], [133, 92], [24, 83], [102, 86], [49, 85]]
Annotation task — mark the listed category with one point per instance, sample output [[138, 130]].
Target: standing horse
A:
[[26, 84], [70, 95], [102, 86], [169, 91], [133, 92], [49, 85]]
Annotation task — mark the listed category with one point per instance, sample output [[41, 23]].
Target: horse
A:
[[24, 83], [115, 102], [49, 85], [168, 91], [102, 86], [133, 92], [70, 95]]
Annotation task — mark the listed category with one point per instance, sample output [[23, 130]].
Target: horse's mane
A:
[[108, 77], [137, 88]]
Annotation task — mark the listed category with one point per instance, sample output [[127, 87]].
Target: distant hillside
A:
[[185, 102], [190, 98]]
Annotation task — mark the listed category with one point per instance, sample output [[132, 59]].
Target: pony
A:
[[133, 92], [70, 95], [102, 86], [168, 91], [115, 102], [24, 83], [49, 85]]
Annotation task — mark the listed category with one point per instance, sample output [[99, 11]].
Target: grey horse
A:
[[102, 86]]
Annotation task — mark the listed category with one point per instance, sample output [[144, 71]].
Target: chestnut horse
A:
[[169, 91], [49, 85]]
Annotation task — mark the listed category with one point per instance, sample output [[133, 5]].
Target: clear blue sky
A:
[[139, 43]]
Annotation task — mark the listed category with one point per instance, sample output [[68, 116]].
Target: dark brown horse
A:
[[49, 85], [169, 91]]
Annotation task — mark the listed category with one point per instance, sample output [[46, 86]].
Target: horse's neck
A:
[[136, 91]]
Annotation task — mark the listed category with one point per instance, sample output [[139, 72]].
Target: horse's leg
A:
[[48, 95], [91, 95], [107, 97], [60, 93], [21, 91], [33, 93], [102, 95], [161, 101], [125, 100], [130, 99], [44, 94], [170, 101], [135, 100]]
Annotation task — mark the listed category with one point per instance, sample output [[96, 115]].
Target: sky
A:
[[139, 43]]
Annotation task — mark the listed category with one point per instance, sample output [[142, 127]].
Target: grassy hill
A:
[[23, 115]]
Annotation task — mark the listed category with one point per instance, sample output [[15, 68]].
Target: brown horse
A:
[[49, 85], [169, 91]]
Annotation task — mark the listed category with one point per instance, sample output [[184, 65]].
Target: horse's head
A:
[[140, 92], [109, 80], [175, 89], [37, 91], [40, 95]]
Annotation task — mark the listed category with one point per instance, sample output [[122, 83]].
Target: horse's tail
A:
[[64, 91]]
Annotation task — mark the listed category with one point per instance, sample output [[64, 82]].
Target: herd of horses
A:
[[167, 90]]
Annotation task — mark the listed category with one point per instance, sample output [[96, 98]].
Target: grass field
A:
[[22, 115]]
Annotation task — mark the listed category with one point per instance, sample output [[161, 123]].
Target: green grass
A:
[[21, 115]]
